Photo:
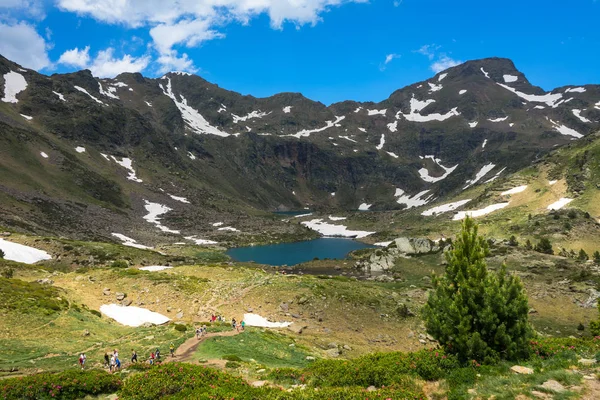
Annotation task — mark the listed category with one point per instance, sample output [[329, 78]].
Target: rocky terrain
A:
[[180, 159]]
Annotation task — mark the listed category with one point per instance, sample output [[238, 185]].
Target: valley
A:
[[134, 209]]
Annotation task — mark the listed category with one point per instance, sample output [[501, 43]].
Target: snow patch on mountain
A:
[[442, 76], [332, 230], [252, 115], [376, 112], [444, 208], [287, 109], [362, 130], [434, 88], [565, 130], [482, 172], [308, 132], [127, 241], [479, 213], [492, 179], [179, 199], [510, 78], [191, 116], [577, 113], [228, 228], [518, 189], [80, 149], [539, 107], [473, 124], [43, 154], [392, 154], [364, 207], [498, 119], [111, 92], [337, 218], [27, 117], [549, 98], [14, 83], [417, 200], [484, 143], [416, 106], [21, 253], [82, 90], [60, 95], [358, 109], [559, 204], [393, 126], [463, 91], [485, 73], [127, 163], [191, 155], [381, 142], [200, 242], [155, 210], [132, 316], [424, 173], [349, 139], [575, 90]]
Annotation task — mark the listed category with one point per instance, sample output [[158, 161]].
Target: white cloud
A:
[[428, 50], [443, 63], [22, 44], [105, 65], [388, 59], [76, 57], [191, 32], [172, 62], [31, 8]]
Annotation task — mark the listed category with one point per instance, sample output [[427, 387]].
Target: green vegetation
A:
[[472, 313], [544, 246], [2, 253], [67, 385], [263, 347], [30, 297]]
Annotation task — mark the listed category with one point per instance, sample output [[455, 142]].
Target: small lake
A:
[[298, 252]]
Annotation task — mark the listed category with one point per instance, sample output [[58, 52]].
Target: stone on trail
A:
[[333, 352], [106, 292], [179, 315], [284, 307], [297, 328], [521, 370], [127, 302], [553, 386], [121, 296]]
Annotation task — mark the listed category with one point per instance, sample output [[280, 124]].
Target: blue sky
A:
[[329, 50]]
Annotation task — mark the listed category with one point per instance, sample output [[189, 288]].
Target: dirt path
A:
[[592, 389], [185, 352]]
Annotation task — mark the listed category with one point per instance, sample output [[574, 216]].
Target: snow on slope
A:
[[307, 132], [577, 113], [14, 83], [127, 163], [565, 130], [191, 116], [473, 124], [381, 142], [252, 115], [445, 208], [111, 92], [327, 229], [559, 204], [478, 213], [442, 76], [132, 316], [21, 253], [43, 154], [510, 78], [424, 173], [575, 90], [80, 149], [155, 268], [416, 106], [82, 90], [482, 172], [393, 126], [127, 241], [262, 322], [364, 207], [498, 119], [516, 190], [376, 112], [495, 176], [549, 98], [200, 242], [287, 109], [180, 199], [155, 210], [434, 88], [463, 91], [415, 201], [60, 95]]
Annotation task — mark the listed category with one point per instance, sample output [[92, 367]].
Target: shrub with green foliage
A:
[[528, 245], [513, 241], [72, 384], [30, 297], [582, 256], [7, 273], [120, 264], [473, 313], [544, 246], [595, 325], [180, 328], [597, 257], [2, 254]]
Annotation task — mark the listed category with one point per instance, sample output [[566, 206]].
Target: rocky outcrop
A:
[[384, 260]]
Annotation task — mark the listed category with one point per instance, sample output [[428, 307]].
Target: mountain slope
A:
[[212, 155]]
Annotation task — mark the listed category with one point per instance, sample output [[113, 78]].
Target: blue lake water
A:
[[298, 252]]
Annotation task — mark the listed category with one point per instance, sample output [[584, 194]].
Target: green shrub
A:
[[120, 264], [473, 313], [96, 313], [2, 254], [231, 357], [7, 272], [544, 246], [73, 384], [528, 245], [597, 257], [582, 256], [180, 328], [232, 364], [513, 241]]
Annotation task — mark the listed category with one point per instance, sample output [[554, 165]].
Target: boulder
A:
[[303, 300], [45, 281], [259, 383], [284, 307], [179, 315], [586, 361], [106, 291], [521, 370], [126, 302], [86, 332], [371, 389], [333, 353], [553, 386], [592, 300], [412, 246], [121, 296], [297, 328]]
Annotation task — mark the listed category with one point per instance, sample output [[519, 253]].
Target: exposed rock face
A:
[[592, 300], [383, 260]]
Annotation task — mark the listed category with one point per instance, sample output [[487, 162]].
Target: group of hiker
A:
[[112, 361], [238, 326]]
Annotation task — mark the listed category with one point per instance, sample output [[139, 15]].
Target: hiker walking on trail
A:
[[172, 350], [151, 358], [133, 356], [243, 324], [106, 360], [198, 333], [113, 363], [233, 323], [82, 360]]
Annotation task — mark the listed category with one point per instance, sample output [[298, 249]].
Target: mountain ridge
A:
[[234, 154]]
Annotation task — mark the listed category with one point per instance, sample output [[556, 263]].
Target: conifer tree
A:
[[474, 313], [582, 256], [597, 257]]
